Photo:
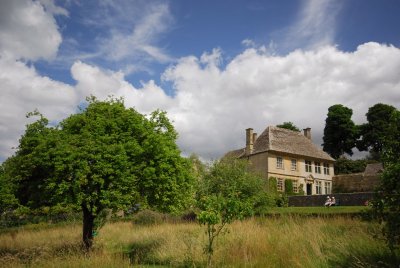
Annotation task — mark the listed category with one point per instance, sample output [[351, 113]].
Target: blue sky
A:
[[216, 67]]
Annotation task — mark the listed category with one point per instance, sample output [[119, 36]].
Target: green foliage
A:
[[150, 217], [272, 185], [340, 132], [375, 131], [289, 125], [8, 201], [31, 165], [198, 167], [386, 203], [344, 165], [289, 187], [228, 192], [301, 189], [104, 157]]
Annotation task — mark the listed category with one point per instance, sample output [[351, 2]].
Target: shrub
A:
[[289, 187], [272, 185], [150, 217]]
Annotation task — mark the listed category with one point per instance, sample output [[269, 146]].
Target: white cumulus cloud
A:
[[27, 31], [215, 104]]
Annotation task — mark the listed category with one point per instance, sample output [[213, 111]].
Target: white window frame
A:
[[295, 186], [328, 187], [318, 187], [326, 169], [317, 167], [280, 185], [308, 166], [293, 165], [279, 162]]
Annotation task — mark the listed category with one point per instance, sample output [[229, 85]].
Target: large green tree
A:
[[386, 204], [340, 132], [104, 157], [375, 131]]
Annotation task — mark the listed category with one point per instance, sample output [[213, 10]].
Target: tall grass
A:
[[287, 241]]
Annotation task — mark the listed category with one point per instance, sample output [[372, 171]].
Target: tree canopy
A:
[[374, 132], [340, 132], [105, 156], [387, 199], [289, 125]]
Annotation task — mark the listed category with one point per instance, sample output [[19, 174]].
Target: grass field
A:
[[339, 210], [286, 241]]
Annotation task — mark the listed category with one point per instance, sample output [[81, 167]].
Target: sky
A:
[[216, 67]]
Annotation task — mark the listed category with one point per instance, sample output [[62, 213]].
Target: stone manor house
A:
[[289, 155]]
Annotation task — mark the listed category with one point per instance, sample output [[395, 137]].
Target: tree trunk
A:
[[88, 224]]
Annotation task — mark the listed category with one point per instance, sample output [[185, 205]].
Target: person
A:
[[333, 201], [328, 201]]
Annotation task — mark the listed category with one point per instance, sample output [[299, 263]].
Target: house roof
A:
[[235, 153], [373, 169], [282, 140]]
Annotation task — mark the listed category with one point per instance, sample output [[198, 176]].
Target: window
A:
[[308, 166], [279, 185], [327, 187], [326, 169], [318, 187], [295, 186], [279, 162], [317, 167], [294, 164]]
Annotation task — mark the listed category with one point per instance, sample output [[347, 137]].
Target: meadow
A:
[[284, 241]]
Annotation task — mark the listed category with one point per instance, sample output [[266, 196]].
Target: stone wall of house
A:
[[349, 199], [352, 183], [259, 163]]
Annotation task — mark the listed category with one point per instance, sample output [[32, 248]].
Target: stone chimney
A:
[[254, 138], [249, 141], [307, 133]]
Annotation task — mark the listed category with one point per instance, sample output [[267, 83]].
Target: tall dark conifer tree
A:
[[340, 132]]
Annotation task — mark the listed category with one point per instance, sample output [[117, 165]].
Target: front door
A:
[[309, 188]]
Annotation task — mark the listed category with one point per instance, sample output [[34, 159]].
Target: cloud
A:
[[23, 90], [123, 35], [91, 80], [314, 27], [140, 41], [52, 8], [213, 105], [27, 31]]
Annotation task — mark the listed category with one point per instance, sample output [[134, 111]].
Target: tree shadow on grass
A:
[[142, 252], [384, 259], [30, 255]]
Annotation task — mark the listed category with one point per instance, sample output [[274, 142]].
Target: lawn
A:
[[336, 210], [287, 241]]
